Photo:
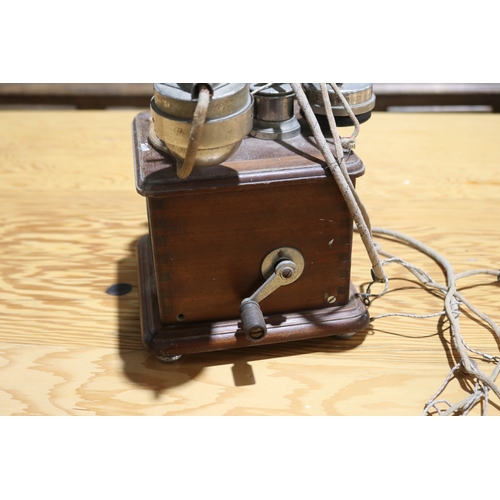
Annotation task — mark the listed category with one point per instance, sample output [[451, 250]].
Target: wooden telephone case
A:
[[209, 233]]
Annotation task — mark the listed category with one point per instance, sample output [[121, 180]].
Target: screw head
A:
[[287, 272], [331, 299], [256, 332]]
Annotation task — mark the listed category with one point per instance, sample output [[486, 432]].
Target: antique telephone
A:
[[249, 238]]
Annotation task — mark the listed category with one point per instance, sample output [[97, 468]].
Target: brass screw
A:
[[287, 272], [331, 299], [256, 332]]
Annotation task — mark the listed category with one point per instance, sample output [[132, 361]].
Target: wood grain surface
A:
[[71, 220]]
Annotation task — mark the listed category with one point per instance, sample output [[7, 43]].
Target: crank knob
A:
[[252, 320]]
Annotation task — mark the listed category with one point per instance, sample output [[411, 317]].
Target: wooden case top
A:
[[256, 161]]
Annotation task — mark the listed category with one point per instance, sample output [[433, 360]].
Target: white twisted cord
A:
[[347, 142], [339, 150], [452, 302], [264, 87], [452, 298], [341, 182]]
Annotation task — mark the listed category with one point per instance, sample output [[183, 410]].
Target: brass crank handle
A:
[[252, 319]]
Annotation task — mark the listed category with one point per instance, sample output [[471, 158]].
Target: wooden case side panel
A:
[[208, 248]]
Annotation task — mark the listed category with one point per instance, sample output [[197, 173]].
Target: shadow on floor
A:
[[146, 371]]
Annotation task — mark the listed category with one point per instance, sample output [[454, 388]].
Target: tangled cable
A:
[[453, 300]]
